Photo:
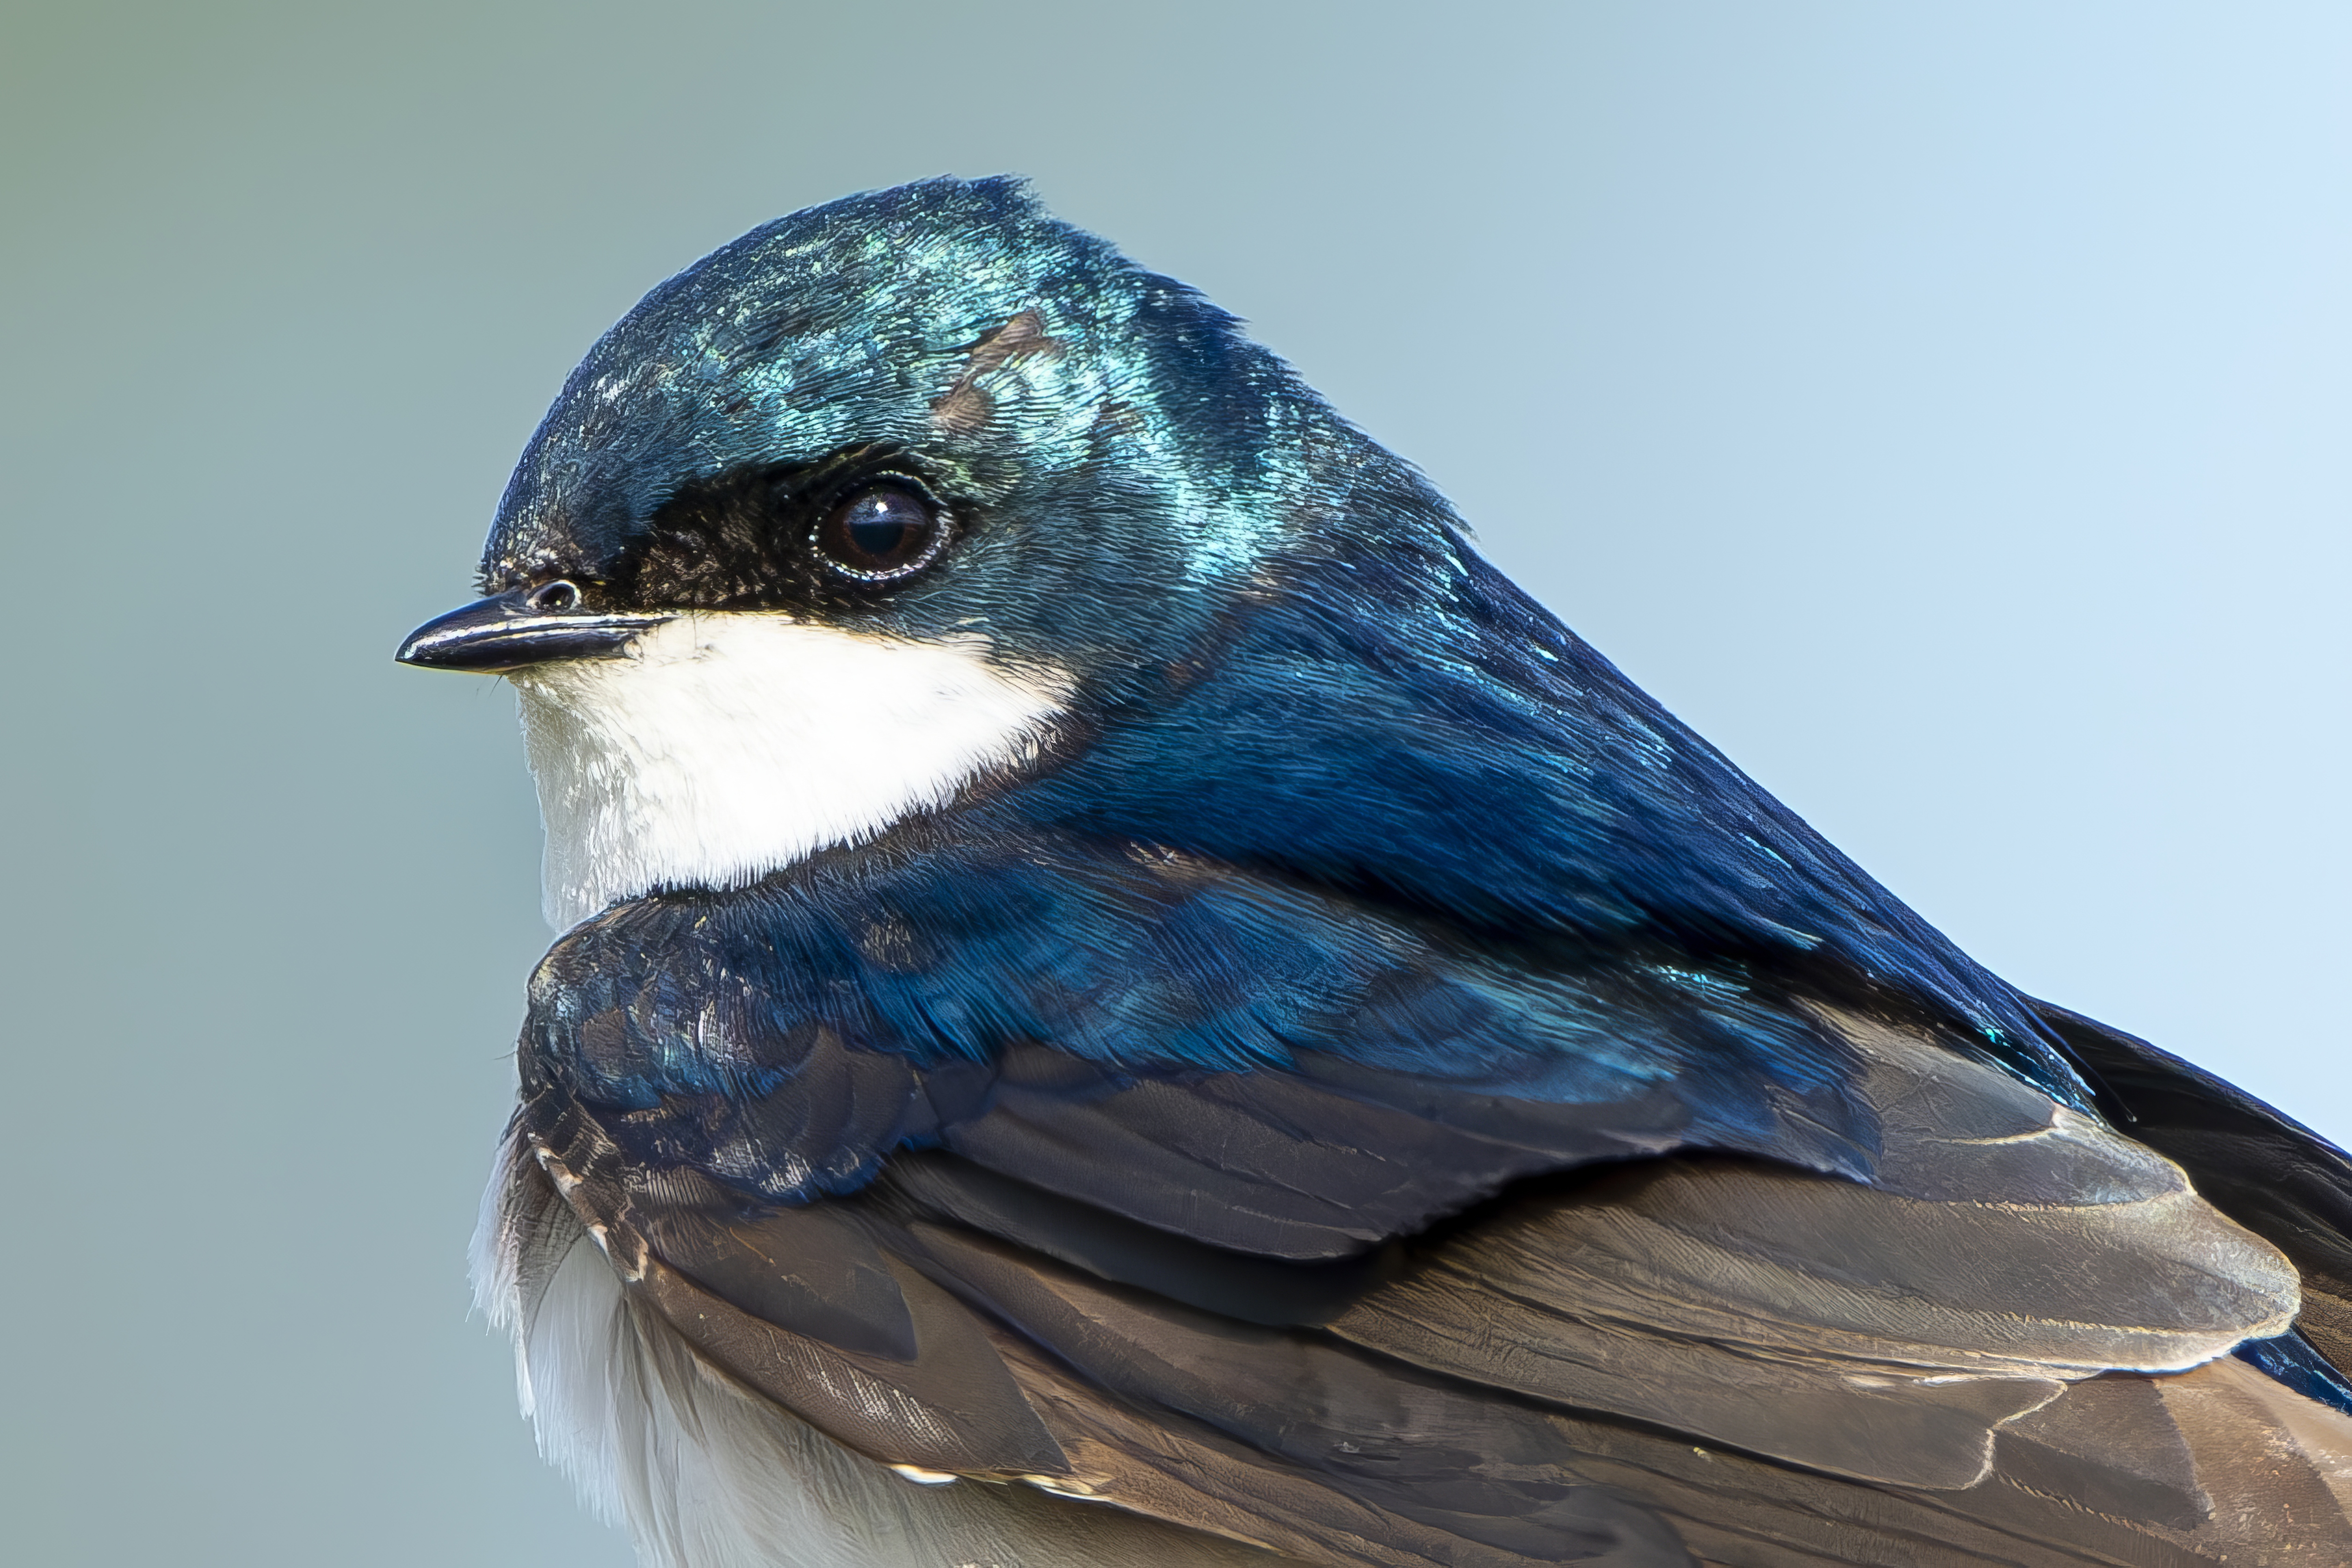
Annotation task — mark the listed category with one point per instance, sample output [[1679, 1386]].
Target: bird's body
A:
[[1128, 999]]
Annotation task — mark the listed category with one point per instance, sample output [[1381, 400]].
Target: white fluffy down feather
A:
[[705, 1475]]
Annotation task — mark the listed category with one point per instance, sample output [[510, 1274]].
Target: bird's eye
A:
[[556, 598], [881, 533]]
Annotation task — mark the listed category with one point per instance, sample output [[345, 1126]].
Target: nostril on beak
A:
[[556, 598]]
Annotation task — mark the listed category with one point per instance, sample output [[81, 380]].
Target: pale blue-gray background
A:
[[1942, 405]]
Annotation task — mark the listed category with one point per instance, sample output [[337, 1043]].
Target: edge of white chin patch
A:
[[726, 745]]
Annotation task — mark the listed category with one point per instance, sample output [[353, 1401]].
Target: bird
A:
[[1125, 997]]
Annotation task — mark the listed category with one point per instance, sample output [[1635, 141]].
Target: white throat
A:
[[728, 745]]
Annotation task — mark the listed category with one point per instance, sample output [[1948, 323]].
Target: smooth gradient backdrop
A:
[[1942, 405]]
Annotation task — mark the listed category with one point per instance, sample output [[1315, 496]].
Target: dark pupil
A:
[[881, 529]]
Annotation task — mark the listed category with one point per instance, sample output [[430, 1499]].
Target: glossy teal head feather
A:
[[956, 321]]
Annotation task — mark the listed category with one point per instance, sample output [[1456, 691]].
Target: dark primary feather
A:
[[1378, 1088], [2266, 1171], [1536, 1352]]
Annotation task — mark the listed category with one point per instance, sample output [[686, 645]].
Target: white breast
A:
[[728, 745]]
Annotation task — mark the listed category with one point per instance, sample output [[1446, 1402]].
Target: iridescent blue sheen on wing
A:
[[787, 1039]]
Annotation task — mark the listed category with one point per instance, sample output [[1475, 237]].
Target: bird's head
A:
[[878, 504]]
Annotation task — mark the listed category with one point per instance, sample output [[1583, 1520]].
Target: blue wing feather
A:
[[788, 1037]]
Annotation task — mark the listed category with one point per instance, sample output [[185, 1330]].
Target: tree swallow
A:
[[1126, 999]]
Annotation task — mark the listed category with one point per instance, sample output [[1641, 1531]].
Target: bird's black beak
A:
[[527, 627]]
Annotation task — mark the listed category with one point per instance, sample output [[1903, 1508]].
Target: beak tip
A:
[[499, 635], [468, 638], [435, 645]]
